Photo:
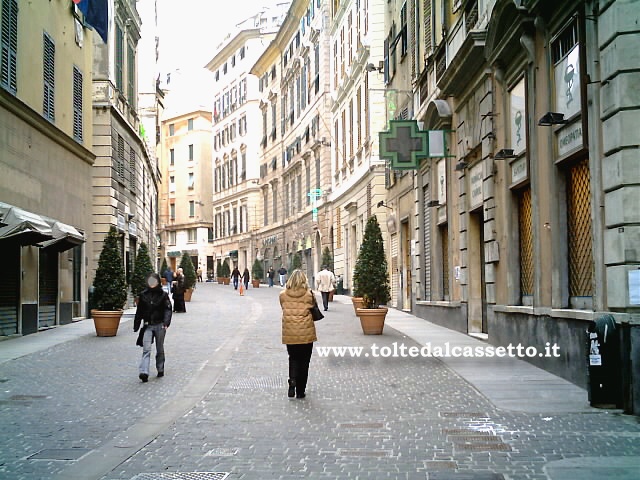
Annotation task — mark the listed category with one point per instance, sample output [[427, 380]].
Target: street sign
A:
[[404, 144]]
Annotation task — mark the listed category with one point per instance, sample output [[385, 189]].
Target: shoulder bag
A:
[[315, 310]]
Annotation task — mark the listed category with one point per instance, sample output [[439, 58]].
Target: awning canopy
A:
[[28, 228]]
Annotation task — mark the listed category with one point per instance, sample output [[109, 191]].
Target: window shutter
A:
[[132, 170], [9, 41], [131, 76], [77, 104], [120, 159], [119, 58], [48, 64]]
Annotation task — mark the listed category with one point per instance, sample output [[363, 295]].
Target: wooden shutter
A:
[[48, 74]]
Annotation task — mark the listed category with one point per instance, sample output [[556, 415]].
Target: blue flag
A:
[[96, 15]]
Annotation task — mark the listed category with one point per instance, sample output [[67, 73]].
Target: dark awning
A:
[[65, 237]]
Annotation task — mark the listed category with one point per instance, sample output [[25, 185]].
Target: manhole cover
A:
[[475, 439], [60, 454], [221, 452], [259, 383], [463, 415], [182, 476], [361, 425], [363, 452], [440, 465], [483, 447]]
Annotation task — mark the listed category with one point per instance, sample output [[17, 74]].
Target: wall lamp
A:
[[552, 118], [372, 68], [460, 166], [381, 204], [504, 154]]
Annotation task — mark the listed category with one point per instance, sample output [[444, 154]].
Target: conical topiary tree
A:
[[219, 270], [225, 271], [141, 269], [370, 277], [189, 272], [164, 267], [257, 272], [109, 285], [296, 263], [327, 258]]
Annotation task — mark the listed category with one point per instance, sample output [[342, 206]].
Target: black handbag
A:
[[315, 310]]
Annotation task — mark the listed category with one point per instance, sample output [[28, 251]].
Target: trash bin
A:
[[604, 363], [340, 286]]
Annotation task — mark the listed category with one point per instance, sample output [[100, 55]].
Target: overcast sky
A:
[[191, 29]]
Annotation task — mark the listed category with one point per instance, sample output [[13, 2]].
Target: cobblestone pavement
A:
[[363, 417]]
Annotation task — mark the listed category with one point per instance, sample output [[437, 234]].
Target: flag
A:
[[96, 15]]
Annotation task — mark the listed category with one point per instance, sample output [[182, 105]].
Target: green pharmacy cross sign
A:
[[404, 144]]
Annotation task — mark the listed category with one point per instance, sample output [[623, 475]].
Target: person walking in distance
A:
[[245, 279], [325, 282], [199, 273], [283, 275], [298, 330], [154, 315], [178, 293], [235, 276], [168, 276], [270, 276]]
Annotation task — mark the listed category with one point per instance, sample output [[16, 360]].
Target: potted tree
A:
[[371, 279], [226, 273], [141, 269], [296, 263], [257, 272], [219, 272], [327, 259], [109, 288], [163, 269], [189, 275]]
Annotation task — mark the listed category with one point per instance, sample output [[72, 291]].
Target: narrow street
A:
[[76, 410]]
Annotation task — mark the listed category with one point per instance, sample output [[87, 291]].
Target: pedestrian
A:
[[199, 273], [298, 330], [283, 275], [178, 293], [154, 314], [325, 282], [168, 276], [270, 276], [235, 276], [245, 279]]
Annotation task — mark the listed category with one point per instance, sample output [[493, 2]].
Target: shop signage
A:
[[570, 138], [475, 181], [269, 240], [133, 229], [404, 144], [121, 225], [519, 170]]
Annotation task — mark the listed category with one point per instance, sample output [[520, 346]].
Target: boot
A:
[[292, 388]]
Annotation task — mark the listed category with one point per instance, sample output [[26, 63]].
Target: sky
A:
[[190, 30]]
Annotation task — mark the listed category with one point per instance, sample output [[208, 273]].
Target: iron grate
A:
[[221, 452], [526, 242], [475, 438], [182, 476], [259, 383], [483, 447], [463, 415], [465, 431], [60, 454], [363, 452]]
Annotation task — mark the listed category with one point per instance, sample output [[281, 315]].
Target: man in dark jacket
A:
[[235, 276], [154, 313]]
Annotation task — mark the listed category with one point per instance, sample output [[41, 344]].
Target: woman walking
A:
[[154, 313], [245, 279], [298, 330], [178, 293]]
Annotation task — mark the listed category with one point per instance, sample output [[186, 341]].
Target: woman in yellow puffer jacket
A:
[[298, 330]]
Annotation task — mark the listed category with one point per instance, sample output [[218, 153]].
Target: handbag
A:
[[316, 314]]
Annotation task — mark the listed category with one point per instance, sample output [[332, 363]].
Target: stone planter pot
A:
[[358, 302], [187, 294], [106, 322], [255, 283], [372, 320]]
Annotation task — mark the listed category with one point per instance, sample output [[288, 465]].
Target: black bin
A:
[[604, 362]]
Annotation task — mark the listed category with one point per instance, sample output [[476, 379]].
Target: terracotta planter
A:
[[372, 320], [226, 280], [220, 280], [187, 294], [358, 302], [255, 283], [106, 322], [331, 295]]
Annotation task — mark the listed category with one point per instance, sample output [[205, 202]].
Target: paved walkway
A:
[[222, 406]]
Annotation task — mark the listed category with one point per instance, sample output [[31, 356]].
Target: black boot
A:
[[292, 388]]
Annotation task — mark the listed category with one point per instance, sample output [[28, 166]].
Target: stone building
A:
[[125, 175], [523, 229], [358, 113], [185, 213], [294, 216], [45, 163], [237, 201]]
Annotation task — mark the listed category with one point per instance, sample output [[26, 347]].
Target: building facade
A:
[[519, 230], [46, 162], [125, 175], [185, 218], [295, 171], [237, 200]]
